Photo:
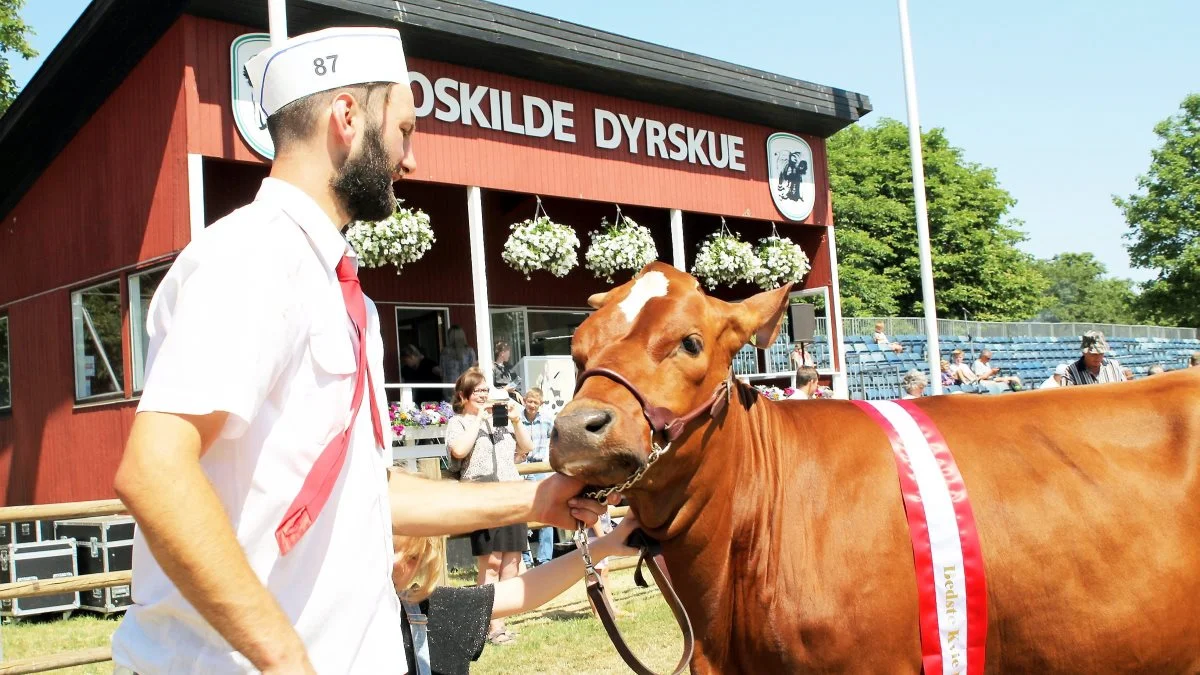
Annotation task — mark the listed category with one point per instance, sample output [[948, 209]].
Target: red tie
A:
[[320, 480]]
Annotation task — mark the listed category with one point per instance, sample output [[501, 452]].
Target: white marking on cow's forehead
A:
[[650, 285]]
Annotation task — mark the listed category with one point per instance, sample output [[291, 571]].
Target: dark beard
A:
[[364, 183]]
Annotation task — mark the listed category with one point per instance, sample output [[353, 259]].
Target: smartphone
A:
[[499, 413]]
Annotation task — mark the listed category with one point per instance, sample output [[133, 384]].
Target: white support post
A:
[[277, 21], [483, 317], [932, 352], [677, 255], [841, 388], [195, 176]]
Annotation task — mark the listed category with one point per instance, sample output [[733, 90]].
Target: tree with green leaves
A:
[[13, 40], [977, 267], [1082, 292], [1164, 221]]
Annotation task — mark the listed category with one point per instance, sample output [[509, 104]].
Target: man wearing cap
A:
[[1093, 367], [1055, 380], [256, 465]]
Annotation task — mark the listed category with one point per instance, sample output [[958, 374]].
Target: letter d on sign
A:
[[604, 140]]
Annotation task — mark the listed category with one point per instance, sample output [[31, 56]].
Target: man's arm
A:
[[189, 533], [426, 508]]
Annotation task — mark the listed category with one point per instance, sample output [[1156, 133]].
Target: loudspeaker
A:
[[804, 322]]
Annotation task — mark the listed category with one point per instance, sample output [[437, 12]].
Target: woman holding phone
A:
[[486, 436]]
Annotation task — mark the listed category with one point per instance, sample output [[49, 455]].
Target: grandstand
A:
[[874, 372]]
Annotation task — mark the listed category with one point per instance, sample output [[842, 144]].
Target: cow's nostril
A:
[[597, 421]]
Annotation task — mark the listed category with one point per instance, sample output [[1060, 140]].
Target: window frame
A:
[[134, 308], [108, 396], [6, 356]]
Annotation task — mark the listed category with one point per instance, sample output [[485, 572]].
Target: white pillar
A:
[[277, 21], [841, 387], [195, 177], [483, 317], [677, 256], [918, 171]]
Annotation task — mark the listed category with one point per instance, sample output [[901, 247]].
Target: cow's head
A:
[[670, 341]]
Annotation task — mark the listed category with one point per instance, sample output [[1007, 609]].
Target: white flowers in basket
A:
[[541, 244], [402, 238], [779, 262], [724, 259], [623, 245]]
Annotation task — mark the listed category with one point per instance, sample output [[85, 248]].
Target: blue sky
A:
[[1060, 97]]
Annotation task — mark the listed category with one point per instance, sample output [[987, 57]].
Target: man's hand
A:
[[557, 502]]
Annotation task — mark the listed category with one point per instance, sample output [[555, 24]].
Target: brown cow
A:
[[784, 530]]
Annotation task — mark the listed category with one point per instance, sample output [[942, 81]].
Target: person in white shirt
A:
[[256, 465], [1055, 380], [806, 384], [984, 370]]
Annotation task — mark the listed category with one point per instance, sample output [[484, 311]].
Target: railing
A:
[[88, 582], [894, 326]]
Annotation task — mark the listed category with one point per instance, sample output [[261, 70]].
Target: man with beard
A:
[[257, 463]]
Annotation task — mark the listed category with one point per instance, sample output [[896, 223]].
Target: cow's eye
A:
[[691, 344]]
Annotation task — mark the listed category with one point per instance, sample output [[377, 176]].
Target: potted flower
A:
[[724, 259], [541, 244], [401, 238], [622, 245], [779, 262], [408, 417]]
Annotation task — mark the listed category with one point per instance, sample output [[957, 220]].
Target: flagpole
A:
[[277, 20], [918, 174]]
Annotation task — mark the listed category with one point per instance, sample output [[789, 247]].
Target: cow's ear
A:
[[760, 317], [597, 300]]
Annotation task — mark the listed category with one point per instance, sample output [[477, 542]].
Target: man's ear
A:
[[758, 319], [343, 110]]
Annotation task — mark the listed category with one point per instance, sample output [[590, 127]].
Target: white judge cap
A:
[[325, 60]]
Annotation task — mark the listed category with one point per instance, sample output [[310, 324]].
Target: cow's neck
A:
[[716, 509]]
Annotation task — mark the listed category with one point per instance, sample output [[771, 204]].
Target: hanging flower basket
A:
[[724, 259], [623, 245], [779, 262], [541, 244], [402, 238]]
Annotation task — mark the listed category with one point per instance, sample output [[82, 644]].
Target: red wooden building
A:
[[125, 144]]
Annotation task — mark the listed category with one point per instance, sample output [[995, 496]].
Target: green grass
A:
[[563, 637]]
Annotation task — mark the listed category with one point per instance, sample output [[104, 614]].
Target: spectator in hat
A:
[[1055, 380], [1094, 366], [1156, 369]]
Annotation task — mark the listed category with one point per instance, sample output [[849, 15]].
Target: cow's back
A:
[[1087, 501]]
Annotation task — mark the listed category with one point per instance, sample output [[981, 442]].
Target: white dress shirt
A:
[[250, 320]]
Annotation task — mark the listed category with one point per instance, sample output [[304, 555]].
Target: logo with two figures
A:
[[790, 174]]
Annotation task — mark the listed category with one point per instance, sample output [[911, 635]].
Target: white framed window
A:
[[96, 329], [141, 289], [5, 366]]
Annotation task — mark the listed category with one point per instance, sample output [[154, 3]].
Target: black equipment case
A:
[[102, 544], [38, 560]]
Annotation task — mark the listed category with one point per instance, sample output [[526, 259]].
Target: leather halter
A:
[[661, 420]]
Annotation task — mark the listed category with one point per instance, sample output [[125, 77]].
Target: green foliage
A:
[[13, 40], [1082, 293], [976, 265], [1164, 221]]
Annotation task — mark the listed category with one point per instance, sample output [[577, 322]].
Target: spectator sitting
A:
[[880, 338], [1055, 380], [802, 357], [914, 384], [968, 379], [1195, 360], [1127, 372], [1094, 366], [806, 384], [1156, 369], [984, 371], [947, 374], [415, 368]]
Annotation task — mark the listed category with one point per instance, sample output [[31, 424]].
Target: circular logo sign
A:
[[790, 175], [250, 121]]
